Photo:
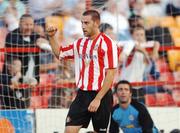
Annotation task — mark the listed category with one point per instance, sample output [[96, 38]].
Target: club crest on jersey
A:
[[131, 117]]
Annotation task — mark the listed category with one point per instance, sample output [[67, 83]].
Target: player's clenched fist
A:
[[51, 31]]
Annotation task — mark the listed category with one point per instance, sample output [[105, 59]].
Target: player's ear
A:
[[97, 23]]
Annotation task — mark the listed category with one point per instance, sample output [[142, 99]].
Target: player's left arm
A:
[[94, 105]]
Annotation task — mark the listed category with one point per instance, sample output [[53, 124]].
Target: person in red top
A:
[[96, 60]]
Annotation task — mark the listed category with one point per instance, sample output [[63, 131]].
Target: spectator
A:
[[39, 9], [13, 13], [47, 59], [63, 97], [135, 67], [131, 116], [72, 27], [24, 37], [116, 20], [124, 47], [11, 94], [127, 46], [173, 8], [3, 7], [153, 32]]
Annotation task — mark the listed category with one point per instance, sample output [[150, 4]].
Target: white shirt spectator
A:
[[134, 72]]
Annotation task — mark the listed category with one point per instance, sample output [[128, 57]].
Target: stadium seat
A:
[[176, 96], [35, 92], [178, 20], [176, 75], [164, 99], [175, 33], [151, 21], [150, 100], [45, 101], [168, 76], [167, 21], [177, 41], [162, 65], [54, 21], [173, 58], [36, 102], [46, 78]]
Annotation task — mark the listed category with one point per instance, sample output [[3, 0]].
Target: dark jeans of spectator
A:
[[15, 99]]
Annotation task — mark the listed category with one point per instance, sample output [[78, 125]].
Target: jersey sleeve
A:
[[145, 120], [67, 52], [111, 54]]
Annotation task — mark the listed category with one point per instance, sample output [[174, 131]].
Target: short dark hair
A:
[[138, 27], [134, 19], [123, 82], [104, 26], [175, 131], [93, 13], [25, 16]]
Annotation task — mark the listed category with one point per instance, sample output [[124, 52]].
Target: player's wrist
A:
[[98, 97]]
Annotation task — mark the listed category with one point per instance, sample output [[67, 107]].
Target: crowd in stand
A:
[[135, 24]]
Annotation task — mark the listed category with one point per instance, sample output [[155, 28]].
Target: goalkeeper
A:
[[131, 116]]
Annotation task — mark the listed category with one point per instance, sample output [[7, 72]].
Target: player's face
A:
[[123, 93], [27, 26], [139, 35], [88, 26]]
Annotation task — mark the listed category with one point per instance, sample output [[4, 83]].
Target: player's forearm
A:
[[107, 83], [54, 46]]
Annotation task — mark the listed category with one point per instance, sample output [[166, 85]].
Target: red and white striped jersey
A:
[[92, 58]]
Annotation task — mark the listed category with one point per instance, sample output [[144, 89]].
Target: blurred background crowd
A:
[[134, 24]]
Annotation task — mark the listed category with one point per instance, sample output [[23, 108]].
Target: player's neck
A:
[[125, 105], [94, 35]]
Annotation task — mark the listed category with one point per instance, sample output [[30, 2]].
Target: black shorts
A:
[[79, 115]]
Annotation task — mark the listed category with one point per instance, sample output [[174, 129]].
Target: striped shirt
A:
[[92, 58]]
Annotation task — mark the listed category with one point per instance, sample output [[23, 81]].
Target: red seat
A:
[[45, 102], [1, 66], [164, 99], [176, 96], [36, 102], [162, 65], [150, 100]]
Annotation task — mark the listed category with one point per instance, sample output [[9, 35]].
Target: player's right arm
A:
[[51, 32]]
